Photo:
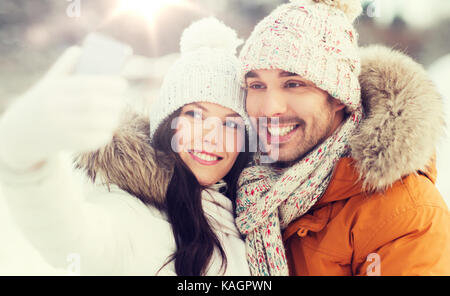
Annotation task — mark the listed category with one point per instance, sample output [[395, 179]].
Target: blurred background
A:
[[34, 33]]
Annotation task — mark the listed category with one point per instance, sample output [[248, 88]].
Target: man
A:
[[352, 191]]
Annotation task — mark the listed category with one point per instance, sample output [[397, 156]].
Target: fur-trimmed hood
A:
[[130, 163], [403, 123], [404, 118]]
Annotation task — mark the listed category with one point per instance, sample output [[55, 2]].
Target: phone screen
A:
[[102, 55]]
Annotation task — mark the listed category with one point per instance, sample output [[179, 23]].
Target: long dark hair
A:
[[195, 240]]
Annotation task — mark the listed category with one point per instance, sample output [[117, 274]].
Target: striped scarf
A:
[[270, 199]]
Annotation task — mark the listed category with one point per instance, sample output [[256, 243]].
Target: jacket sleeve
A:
[[49, 207], [414, 242]]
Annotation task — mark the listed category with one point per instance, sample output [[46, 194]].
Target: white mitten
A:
[[62, 112]]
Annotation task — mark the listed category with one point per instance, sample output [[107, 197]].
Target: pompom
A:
[[209, 32], [351, 8]]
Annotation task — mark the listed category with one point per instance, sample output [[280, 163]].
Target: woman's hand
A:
[[62, 112]]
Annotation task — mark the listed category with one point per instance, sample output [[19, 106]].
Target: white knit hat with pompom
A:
[[314, 39], [207, 71]]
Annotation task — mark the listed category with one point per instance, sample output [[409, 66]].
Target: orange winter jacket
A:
[[404, 231], [381, 213]]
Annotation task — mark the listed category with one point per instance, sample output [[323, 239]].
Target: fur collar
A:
[[403, 123], [404, 118], [130, 162]]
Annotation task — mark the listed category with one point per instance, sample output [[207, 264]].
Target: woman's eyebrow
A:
[[251, 74], [287, 74], [200, 107], [233, 115]]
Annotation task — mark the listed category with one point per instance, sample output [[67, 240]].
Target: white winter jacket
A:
[[101, 214]]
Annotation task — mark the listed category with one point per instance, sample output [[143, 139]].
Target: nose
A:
[[212, 132], [274, 104]]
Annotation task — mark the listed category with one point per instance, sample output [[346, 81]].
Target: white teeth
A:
[[276, 131], [205, 156]]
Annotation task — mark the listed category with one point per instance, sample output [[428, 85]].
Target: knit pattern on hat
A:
[[314, 40], [207, 71]]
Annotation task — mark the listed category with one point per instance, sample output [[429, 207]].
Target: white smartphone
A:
[[102, 55]]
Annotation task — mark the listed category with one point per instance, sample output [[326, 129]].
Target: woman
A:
[[159, 197]]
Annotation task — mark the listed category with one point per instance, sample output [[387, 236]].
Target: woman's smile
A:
[[205, 158]]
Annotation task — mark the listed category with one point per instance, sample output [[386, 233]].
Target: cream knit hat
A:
[[314, 39], [207, 71]]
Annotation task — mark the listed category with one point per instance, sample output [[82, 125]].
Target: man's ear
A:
[[340, 107], [336, 104]]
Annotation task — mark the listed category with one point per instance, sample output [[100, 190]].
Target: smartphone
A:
[[102, 55]]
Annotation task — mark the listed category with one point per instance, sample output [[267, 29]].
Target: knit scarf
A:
[[269, 199]]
